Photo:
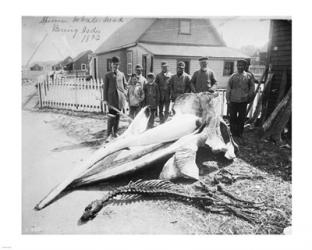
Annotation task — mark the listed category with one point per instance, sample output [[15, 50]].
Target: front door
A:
[[187, 65]]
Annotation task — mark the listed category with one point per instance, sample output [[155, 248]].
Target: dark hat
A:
[[138, 66], [164, 64], [115, 59], [150, 75], [181, 65], [203, 58], [242, 61]]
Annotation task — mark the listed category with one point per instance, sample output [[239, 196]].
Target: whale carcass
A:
[[195, 124]]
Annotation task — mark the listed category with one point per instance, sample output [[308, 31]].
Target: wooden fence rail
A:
[[87, 96]]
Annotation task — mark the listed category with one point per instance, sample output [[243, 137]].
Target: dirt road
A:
[[43, 168]]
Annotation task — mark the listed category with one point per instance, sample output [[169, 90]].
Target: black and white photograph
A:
[[156, 125]]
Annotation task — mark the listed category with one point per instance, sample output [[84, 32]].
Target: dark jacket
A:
[[162, 80], [151, 92], [179, 85], [115, 86], [241, 87], [203, 81]]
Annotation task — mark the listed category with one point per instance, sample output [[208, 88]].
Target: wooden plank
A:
[[39, 94]]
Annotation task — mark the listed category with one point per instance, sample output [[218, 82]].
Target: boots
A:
[[110, 124], [116, 125]]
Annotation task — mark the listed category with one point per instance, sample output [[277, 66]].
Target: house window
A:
[[108, 64], [129, 62], [185, 27], [228, 68], [83, 66]]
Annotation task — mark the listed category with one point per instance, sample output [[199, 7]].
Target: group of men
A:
[[239, 92]]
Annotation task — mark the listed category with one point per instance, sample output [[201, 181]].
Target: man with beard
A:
[[203, 80]]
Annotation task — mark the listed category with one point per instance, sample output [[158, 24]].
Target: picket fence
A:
[[72, 94], [80, 95]]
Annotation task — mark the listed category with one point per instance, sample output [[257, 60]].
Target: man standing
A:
[[162, 80], [180, 83], [203, 80], [114, 96], [239, 93]]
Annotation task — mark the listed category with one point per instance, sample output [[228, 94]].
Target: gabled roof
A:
[[161, 31], [81, 54], [193, 51], [126, 35]]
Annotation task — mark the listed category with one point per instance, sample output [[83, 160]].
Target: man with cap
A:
[[180, 83], [203, 80], [239, 93], [115, 85], [162, 80]]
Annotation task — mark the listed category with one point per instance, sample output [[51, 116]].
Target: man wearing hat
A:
[[180, 82], [114, 96], [239, 93], [162, 80], [203, 80]]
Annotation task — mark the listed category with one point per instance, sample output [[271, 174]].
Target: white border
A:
[[10, 220]]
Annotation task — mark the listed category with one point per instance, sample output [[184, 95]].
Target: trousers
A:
[[134, 110], [113, 122], [164, 104], [151, 119], [237, 117]]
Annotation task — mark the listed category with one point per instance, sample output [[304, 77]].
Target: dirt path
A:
[[42, 169]]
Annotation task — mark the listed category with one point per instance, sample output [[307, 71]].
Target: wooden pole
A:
[[276, 122], [258, 88]]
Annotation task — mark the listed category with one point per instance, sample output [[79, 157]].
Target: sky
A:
[[54, 38]]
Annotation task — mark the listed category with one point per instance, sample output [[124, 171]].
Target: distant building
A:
[[36, 67], [80, 62], [149, 41], [62, 65]]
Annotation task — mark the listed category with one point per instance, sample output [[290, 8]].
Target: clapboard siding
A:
[[280, 57], [167, 30]]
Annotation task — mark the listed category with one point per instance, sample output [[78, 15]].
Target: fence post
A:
[[39, 94], [101, 89]]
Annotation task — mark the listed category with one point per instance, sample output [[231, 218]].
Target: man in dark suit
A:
[[115, 86]]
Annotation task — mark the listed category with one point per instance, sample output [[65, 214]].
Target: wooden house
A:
[[279, 59], [64, 64], [149, 41], [80, 62]]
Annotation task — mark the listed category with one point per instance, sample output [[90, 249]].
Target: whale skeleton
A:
[[195, 124]]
